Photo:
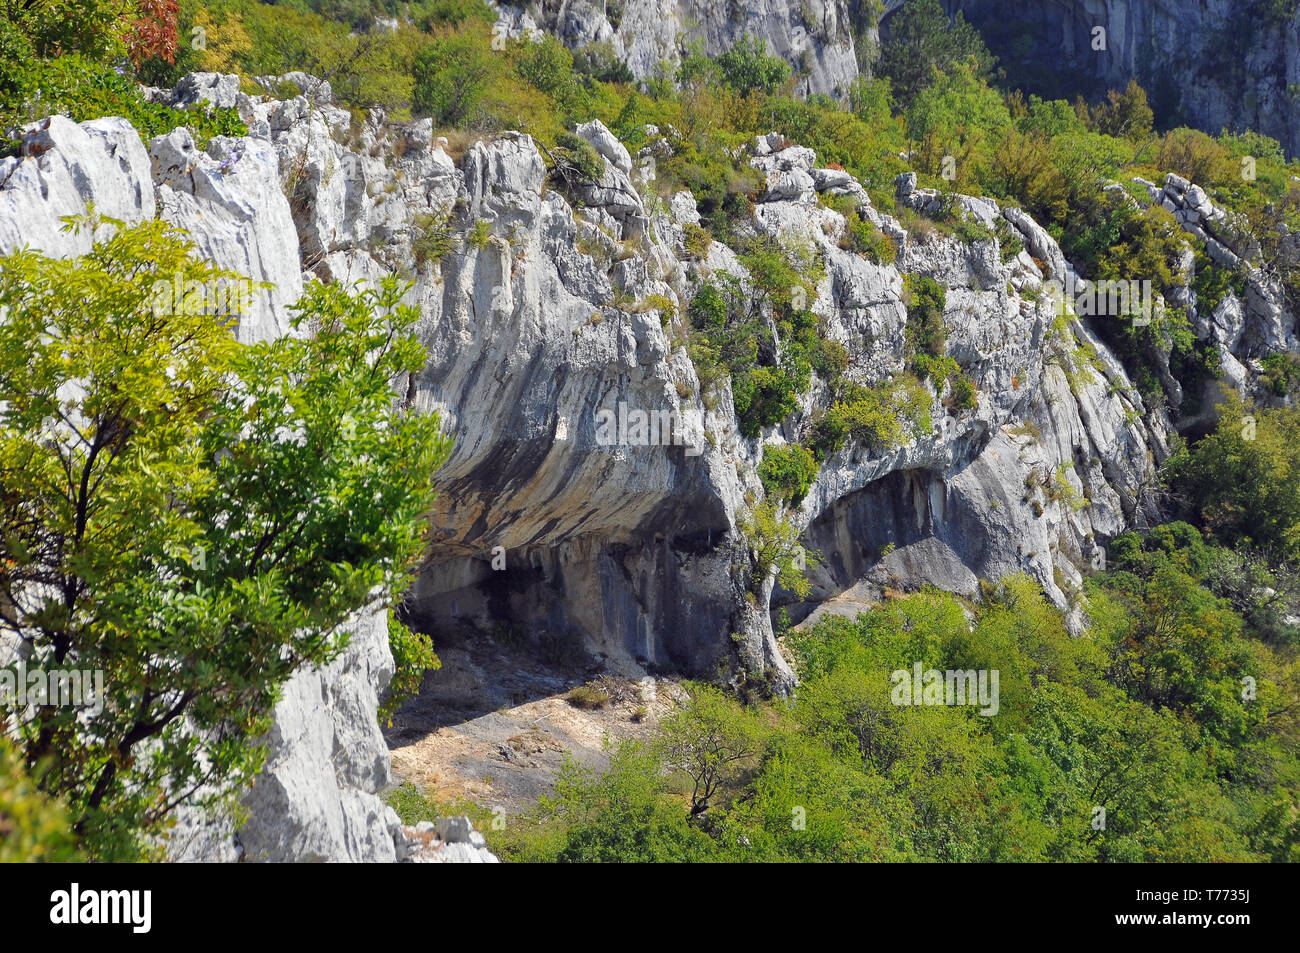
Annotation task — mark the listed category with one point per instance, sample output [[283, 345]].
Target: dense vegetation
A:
[[1145, 718]]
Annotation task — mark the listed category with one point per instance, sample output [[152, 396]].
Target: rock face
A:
[[553, 319], [1211, 63], [315, 800], [449, 840], [814, 36], [539, 317]]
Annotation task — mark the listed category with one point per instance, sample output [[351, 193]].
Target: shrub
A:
[[413, 655], [1124, 115], [925, 300], [452, 75], [546, 65], [940, 369], [866, 239], [599, 62], [433, 238], [787, 472], [774, 545], [481, 234], [33, 826], [577, 157], [431, 14], [590, 697], [93, 29], [696, 240], [153, 32], [84, 90], [764, 397], [1240, 478], [1281, 373], [882, 416], [708, 308], [747, 67]]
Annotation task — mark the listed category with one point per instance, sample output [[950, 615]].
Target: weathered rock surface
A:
[[539, 312], [448, 840], [814, 36]]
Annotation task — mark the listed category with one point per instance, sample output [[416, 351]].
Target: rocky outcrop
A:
[[316, 798], [542, 311], [814, 36], [542, 315], [448, 840]]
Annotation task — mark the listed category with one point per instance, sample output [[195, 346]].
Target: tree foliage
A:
[[196, 519], [924, 45]]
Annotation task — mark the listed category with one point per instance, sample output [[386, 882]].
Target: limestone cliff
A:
[[540, 310], [814, 36]]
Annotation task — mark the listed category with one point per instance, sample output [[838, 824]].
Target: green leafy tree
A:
[[748, 67], [93, 28], [413, 656], [924, 44], [1124, 115], [787, 472], [194, 518], [774, 544], [1241, 479], [712, 742], [452, 76]]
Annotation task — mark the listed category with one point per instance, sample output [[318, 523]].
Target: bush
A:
[[452, 75], [925, 300], [1240, 479], [696, 240], [787, 472], [588, 696], [1124, 115], [764, 397], [93, 29], [774, 545], [1281, 373], [747, 67], [546, 65], [882, 416], [432, 14], [599, 62], [433, 238], [33, 827], [578, 157], [941, 369], [864, 238], [413, 655]]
